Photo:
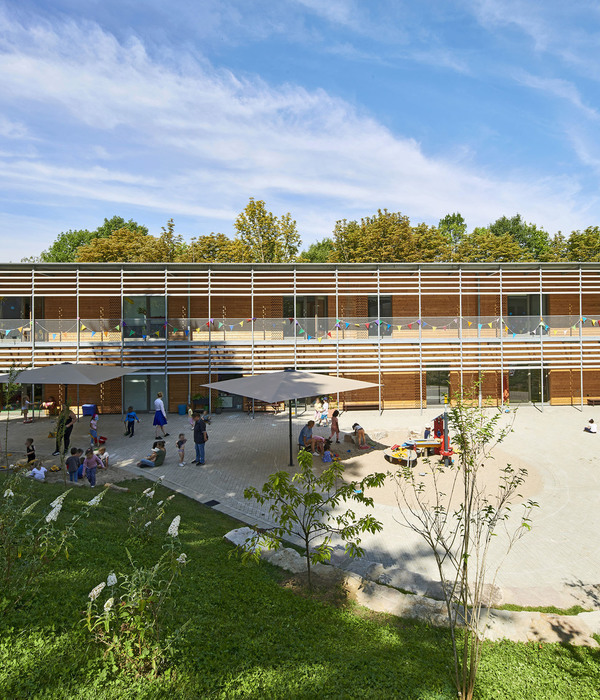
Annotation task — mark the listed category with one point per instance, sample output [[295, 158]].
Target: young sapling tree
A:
[[458, 508], [305, 506]]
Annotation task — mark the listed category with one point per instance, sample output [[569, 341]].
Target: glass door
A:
[[140, 390], [438, 386]]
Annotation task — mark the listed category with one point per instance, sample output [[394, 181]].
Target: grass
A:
[[249, 635], [550, 609]]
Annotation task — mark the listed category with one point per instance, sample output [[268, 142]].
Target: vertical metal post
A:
[[33, 319], [295, 328], [166, 329], [122, 343], [501, 344], [252, 326], [337, 333], [290, 431], [581, 337], [541, 328], [479, 375], [189, 339], [420, 346], [460, 328], [209, 341], [379, 339], [78, 328]]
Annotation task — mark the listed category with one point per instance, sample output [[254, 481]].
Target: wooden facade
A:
[[525, 332]]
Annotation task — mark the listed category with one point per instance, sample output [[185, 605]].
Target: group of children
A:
[[79, 464]]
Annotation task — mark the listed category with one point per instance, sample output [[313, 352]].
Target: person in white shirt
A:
[[39, 473], [591, 427], [160, 416]]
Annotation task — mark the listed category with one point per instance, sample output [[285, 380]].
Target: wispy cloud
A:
[[557, 87], [12, 130], [186, 139]]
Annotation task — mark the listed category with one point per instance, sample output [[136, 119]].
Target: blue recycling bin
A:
[[89, 409], [181, 409]]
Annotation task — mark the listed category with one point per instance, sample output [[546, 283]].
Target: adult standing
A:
[[160, 415], [64, 428], [200, 438]]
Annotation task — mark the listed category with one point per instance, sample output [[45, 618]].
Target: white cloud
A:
[[560, 88], [187, 139], [12, 130]]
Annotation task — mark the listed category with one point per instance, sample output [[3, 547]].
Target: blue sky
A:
[[328, 109]]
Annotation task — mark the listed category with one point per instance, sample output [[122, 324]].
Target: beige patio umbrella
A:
[[67, 373], [287, 385]]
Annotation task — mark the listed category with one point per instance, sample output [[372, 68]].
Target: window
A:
[[382, 313], [311, 314]]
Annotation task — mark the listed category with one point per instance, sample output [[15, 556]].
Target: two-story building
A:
[[529, 332]]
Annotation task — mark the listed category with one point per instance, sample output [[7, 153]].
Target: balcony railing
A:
[[298, 330]]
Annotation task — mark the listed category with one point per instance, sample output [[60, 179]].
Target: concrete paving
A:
[[557, 563]]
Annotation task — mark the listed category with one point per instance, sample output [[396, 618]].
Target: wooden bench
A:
[[593, 400], [360, 406]]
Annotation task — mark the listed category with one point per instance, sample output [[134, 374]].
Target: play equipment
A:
[[440, 431]]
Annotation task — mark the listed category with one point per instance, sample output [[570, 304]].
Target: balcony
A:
[[301, 330]]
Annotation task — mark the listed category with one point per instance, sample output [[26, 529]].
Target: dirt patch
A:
[[111, 475], [327, 587]]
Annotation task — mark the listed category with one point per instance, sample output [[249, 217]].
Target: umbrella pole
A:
[[291, 439]]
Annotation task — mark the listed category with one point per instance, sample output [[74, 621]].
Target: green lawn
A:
[[249, 637]]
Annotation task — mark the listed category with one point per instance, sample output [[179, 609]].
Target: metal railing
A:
[[298, 330]]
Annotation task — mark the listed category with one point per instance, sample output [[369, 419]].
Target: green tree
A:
[[430, 245], [267, 238], [457, 508], [388, 237], [453, 226], [482, 246], [215, 247], [64, 248], [584, 246], [558, 251], [169, 246], [120, 246], [118, 223], [534, 242], [303, 506], [318, 252]]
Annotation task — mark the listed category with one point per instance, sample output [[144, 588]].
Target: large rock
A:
[[241, 536]]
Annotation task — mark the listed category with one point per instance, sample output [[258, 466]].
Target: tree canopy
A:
[[65, 247], [261, 236]]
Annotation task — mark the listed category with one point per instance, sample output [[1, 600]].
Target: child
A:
[[30, 450], [90, 465], [335, 425], [25, 404], [130, 420], [73, 465], [324, 418], [592, 427], [318, 406], [103, 455], [81, 458], [181, 447], [205, 416], [327, 456], [359, 431], [94, 430], [39, 473]]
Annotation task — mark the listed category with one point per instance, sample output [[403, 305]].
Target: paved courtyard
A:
[[557, 563]]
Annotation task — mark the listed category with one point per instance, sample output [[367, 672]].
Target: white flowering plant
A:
[[31, 538], [127, 613], [146, 513]]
